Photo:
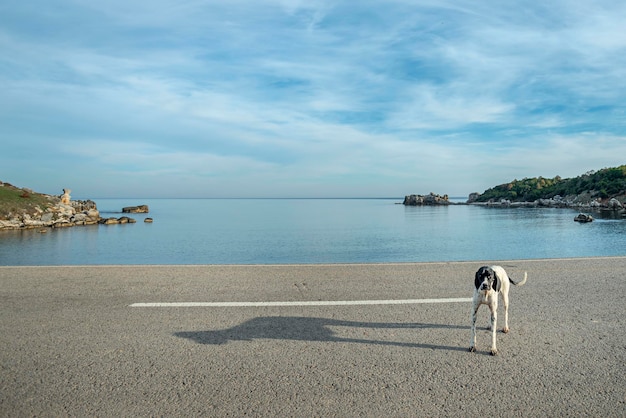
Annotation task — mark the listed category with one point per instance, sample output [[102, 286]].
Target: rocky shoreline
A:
[[574, 202], [58, 215], [583, 201], [62, 212]]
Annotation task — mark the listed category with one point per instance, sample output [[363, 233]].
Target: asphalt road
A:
[[71, 344]]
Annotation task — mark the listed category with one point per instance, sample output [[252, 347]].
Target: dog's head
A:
[[486, 280]]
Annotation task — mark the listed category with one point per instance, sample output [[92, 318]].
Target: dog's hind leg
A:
[[472, 347], [494, 321]]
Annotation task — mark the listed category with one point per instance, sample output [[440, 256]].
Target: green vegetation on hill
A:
[[605, 183], [16, 201]]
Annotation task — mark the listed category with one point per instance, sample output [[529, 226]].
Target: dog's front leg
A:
[[505, 301], [493, 307], [472, 347]]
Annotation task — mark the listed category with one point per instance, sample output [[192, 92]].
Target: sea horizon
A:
[[261, 198], [229, 231]]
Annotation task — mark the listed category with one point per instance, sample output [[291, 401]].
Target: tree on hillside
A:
[[604, 183]]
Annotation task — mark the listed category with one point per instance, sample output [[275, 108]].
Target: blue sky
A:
[[288, 98]]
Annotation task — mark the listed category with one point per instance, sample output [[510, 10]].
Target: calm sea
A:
[[286, 231]]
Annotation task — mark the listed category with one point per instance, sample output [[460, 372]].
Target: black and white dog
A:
[[488, 283]]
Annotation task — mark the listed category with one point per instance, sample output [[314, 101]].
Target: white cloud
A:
[[293, 97]]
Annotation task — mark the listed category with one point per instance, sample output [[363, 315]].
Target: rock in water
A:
[[583, 217], [136, 209]]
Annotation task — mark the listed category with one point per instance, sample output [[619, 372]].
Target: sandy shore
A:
[[73, 344]]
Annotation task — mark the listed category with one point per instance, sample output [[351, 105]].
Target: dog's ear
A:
[[497, 283], [480, 275], [478, 278]]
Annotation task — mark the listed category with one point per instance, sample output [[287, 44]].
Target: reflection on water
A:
[[268, 231]]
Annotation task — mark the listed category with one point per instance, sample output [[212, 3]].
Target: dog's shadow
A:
[[311, 329]]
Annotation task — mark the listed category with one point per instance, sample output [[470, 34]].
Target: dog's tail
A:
[[520, 283]]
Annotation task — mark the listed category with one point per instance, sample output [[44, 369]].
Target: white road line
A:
[[295, 303]]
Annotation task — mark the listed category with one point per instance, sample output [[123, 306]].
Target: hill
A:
[[600, 186], [15, 201]]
